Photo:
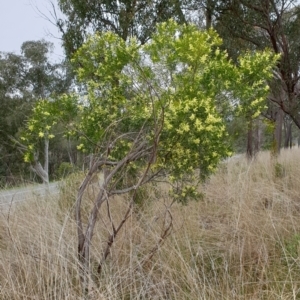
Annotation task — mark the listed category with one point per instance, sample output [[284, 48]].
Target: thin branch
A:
[[110, 216], [113, 236]]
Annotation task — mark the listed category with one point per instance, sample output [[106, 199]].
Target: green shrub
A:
[[68, 190], [65, 169], [279, 170]]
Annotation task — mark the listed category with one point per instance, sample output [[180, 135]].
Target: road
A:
[[22, 194]]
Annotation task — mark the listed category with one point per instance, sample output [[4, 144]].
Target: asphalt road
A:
[[21, 194]]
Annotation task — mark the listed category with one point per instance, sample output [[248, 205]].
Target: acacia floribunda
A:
[[126, 18], [151, 112]]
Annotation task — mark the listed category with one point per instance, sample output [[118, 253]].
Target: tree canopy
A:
[[269, 24], [165, 94], [125, 18]]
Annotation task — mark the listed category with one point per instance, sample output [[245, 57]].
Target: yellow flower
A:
[[27, 157], [198, 125], [168, 125], [184, 127], [171, 178], [192, 117], [197, 141], [41, 134]]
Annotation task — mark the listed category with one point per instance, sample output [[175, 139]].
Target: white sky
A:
[[21, 21]]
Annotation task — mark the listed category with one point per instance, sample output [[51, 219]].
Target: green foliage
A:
[[188, 115], [292, 247], [266, 24], [255, 73], [36, 51], [25, 79], [171, 83], [279, 170], [125, 18], [65, 169], [40, 126], [270, 143], [31, 75], [68, 190]]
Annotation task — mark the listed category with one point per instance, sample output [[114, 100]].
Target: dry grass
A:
[[242, 241]]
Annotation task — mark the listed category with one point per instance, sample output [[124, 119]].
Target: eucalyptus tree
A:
[[14, 110], [126, 18]]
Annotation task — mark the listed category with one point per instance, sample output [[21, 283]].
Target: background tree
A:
[[269, 24], [14, 111], [24, 79], [41, 127], [42, 77], [125, 18], [256, 25]]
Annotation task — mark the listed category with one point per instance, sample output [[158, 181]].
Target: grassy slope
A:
[[242, 241]]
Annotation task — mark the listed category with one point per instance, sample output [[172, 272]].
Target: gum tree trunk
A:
[[42, 172]]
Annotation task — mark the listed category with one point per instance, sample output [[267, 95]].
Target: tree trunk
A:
[[36, 166], [38, 169], [208, 14], [278, 131], [250, 139], [288, 141], [257, 137], [46, 158]]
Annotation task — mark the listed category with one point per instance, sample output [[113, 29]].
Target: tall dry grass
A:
[[241, 241]]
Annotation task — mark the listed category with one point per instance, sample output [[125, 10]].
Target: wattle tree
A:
[[152, 113]]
